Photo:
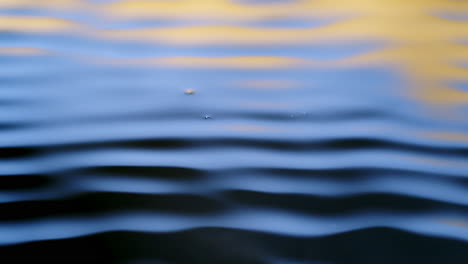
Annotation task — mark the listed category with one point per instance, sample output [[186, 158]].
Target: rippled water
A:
[[319, 131]]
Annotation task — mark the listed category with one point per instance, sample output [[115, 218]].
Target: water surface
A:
[[319, 131]]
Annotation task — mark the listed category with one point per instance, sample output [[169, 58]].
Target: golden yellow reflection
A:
[[219, 10], [30, 24], [246, 62], [255, 62], [241, 11], [418, 43], [221, 35]]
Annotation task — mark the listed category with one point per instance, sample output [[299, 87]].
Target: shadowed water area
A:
[[234, 131]]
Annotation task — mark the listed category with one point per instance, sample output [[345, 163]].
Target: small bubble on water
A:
[[189, 91]]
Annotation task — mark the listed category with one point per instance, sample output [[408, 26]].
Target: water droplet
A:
[[189, 91]]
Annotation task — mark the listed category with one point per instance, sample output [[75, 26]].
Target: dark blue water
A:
[[316, 132]]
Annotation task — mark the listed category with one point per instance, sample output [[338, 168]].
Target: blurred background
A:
[[234, 131]]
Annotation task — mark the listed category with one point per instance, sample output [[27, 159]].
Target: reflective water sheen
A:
[[234, 131]]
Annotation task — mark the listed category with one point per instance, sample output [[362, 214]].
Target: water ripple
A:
[[337, 131]]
